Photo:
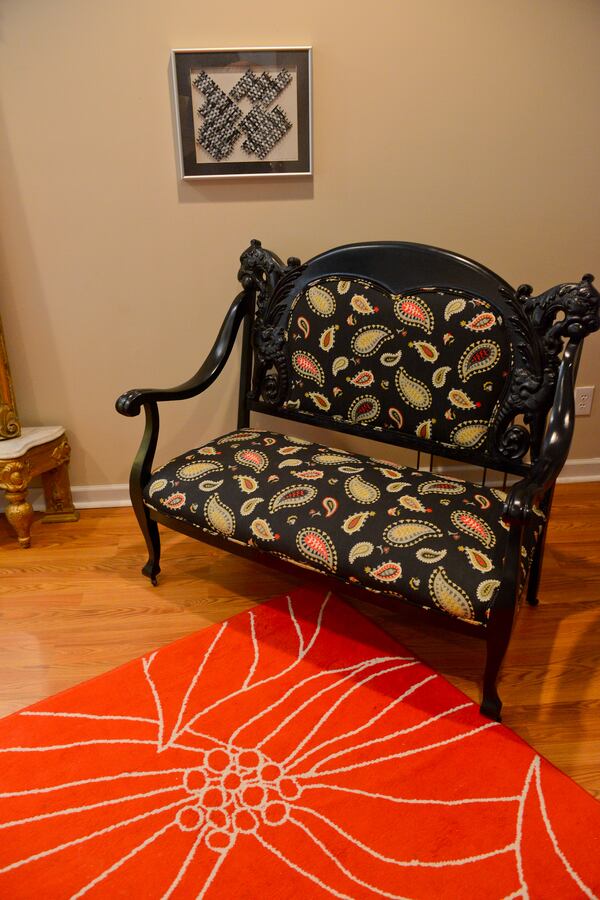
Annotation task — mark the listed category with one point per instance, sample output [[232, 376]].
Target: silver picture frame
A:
[[243, 112]]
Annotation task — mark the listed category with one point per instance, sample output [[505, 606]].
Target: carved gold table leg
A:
[[14, 478], [19, 514], [57, 493]]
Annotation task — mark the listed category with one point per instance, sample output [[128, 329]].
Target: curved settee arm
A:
[[131, 402], [555, 447]]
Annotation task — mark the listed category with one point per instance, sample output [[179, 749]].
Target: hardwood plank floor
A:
[[75, 605]]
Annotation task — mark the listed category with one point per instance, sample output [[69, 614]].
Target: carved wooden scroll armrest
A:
[[131, 402]]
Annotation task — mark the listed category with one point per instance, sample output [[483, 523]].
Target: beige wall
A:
[[468, 124]]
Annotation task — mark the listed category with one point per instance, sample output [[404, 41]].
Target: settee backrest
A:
[[413, 345]]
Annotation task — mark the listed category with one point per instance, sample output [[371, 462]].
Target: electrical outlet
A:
[[583, 400]]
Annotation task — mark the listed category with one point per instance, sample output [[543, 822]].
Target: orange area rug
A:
[[293, 751]]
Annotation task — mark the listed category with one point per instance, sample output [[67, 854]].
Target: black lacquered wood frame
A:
[[530, 434]]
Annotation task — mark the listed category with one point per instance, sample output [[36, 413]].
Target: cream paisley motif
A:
[[410, 532], [360, 490], [449, 596], [320, 300], [219, 515], [413, 391]]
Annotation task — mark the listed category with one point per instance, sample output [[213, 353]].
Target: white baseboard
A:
[[98, 496], [85, 496]]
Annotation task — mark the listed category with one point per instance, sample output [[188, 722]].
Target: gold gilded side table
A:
[[41, 451]]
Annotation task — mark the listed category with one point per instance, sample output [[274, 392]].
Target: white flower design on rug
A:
[[294, 749]]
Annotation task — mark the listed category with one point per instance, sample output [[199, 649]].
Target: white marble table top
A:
[[29, 437]]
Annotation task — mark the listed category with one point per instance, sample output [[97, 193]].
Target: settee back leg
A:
[[535, 571]]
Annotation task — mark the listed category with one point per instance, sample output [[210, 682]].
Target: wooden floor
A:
[[75, 605]]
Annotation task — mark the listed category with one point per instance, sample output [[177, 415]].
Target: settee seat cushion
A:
[[435, 541]]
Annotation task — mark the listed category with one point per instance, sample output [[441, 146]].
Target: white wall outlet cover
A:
[[583, 400]]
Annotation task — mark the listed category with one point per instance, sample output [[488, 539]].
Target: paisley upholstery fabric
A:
[[432, 363], [434, 541]]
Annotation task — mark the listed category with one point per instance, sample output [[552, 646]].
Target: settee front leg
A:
[[141, 472], [499, 630], [500, 623]]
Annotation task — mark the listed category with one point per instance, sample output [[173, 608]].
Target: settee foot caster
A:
[[533, 601], [491, 707]]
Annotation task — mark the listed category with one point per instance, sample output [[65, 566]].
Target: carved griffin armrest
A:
[[265, 274], [565, 314]]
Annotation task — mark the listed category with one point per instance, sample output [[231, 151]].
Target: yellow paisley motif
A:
[[262, 530], [369, 339], [363, 548], [413, 391], [439, 376], [360, 490], [487, 589], [470, 434], [449, 596], [409, 532], [455, 306], [194, 470], [478, 560], [320, 300], [219, 515]]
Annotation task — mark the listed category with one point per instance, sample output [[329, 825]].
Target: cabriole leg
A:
[[498, 636], [149, 529]]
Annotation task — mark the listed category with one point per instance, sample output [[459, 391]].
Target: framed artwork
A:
[[243, 113]]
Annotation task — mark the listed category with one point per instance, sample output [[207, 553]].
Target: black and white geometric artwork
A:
[[224, 122], [243, 112]]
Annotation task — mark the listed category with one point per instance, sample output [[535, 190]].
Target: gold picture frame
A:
[[9, 421]]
